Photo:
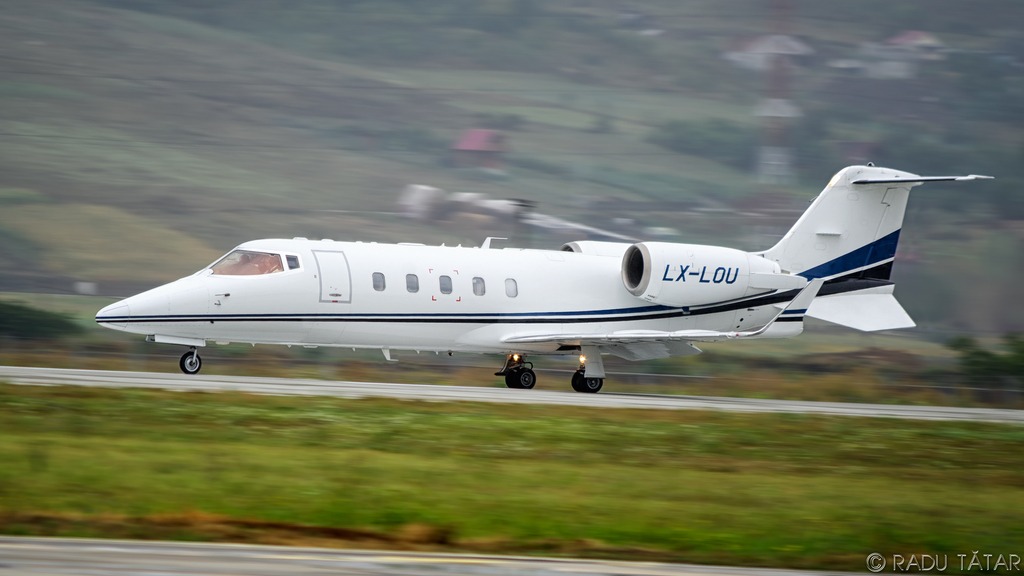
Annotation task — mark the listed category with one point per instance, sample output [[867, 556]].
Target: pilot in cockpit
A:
[[245, 263]]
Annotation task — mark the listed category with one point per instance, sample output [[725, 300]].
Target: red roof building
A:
[[919, 45], [478, 148]]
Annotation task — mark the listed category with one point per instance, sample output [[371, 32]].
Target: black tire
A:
[[577, 378], [527, 379], [521, 378], [592, 385], [190, 363], [512, 378], [586, 385]]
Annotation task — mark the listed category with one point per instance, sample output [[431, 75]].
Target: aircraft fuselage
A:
[[428, 298]]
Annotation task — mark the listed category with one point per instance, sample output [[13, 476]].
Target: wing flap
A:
[[651, 350], [620, 337]]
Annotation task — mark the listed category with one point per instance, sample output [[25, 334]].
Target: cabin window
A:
[[293, 262], [511, 289], [247, 263], [478, 286], [446, 284], [412, 283], [378, 281]]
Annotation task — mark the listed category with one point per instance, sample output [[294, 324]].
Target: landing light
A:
[[515, 357], [583, 359]]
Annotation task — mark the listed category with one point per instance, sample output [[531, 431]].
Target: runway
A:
[[64, 556], [435, 393]]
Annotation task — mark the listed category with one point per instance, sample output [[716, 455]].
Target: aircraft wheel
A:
[[587, 385], [527, 378], [577, 376], [190, 362], [521, 378], [512, 378]]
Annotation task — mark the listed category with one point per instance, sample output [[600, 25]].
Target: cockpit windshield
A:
[[246, 263]]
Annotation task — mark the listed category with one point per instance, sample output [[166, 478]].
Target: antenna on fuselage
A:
[[487, 242]]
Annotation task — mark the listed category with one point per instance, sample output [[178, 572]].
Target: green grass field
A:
[[88, 242], [758, 490]]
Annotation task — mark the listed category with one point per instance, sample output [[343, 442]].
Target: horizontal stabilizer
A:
[[866, 312], [921, 179]]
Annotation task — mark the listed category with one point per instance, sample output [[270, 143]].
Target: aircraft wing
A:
[[798, 306], [620, 337]]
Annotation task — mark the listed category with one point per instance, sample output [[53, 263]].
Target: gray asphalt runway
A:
[[301, 387], [61, 556]]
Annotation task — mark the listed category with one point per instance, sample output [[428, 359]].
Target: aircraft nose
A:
[[114, 316]]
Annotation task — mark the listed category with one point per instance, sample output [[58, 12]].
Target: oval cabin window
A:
[[446, 284], [478, 286], [511, 289], [378, 281], [412, 283]]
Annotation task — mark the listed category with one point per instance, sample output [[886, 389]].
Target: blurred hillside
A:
[[140, 139]]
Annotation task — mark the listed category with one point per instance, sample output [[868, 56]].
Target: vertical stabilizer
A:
[[850, 228], [848, 238]]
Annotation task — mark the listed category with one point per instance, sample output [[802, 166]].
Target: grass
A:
[[83, 308], [759, 490], [90, 153], [37, 91], [88, 242], [20, 196], [634, 104]]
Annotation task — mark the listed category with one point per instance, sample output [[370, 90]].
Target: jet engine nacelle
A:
[[693, 275]]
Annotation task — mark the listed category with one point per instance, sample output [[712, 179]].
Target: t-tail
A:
[[848, 238]]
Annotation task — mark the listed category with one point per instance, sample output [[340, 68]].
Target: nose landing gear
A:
[[517, 374], [190, 362]]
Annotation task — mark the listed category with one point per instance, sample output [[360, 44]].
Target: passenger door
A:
[[334, 275], [332, 271]]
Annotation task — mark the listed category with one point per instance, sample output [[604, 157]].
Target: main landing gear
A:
[[516, 373], [580, 383], [589, 384], [190, 362]]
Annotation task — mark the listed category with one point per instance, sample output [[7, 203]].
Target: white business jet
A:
[[635, 301]]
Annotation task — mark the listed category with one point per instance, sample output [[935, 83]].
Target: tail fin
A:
[[851, 229], [848, 237]]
